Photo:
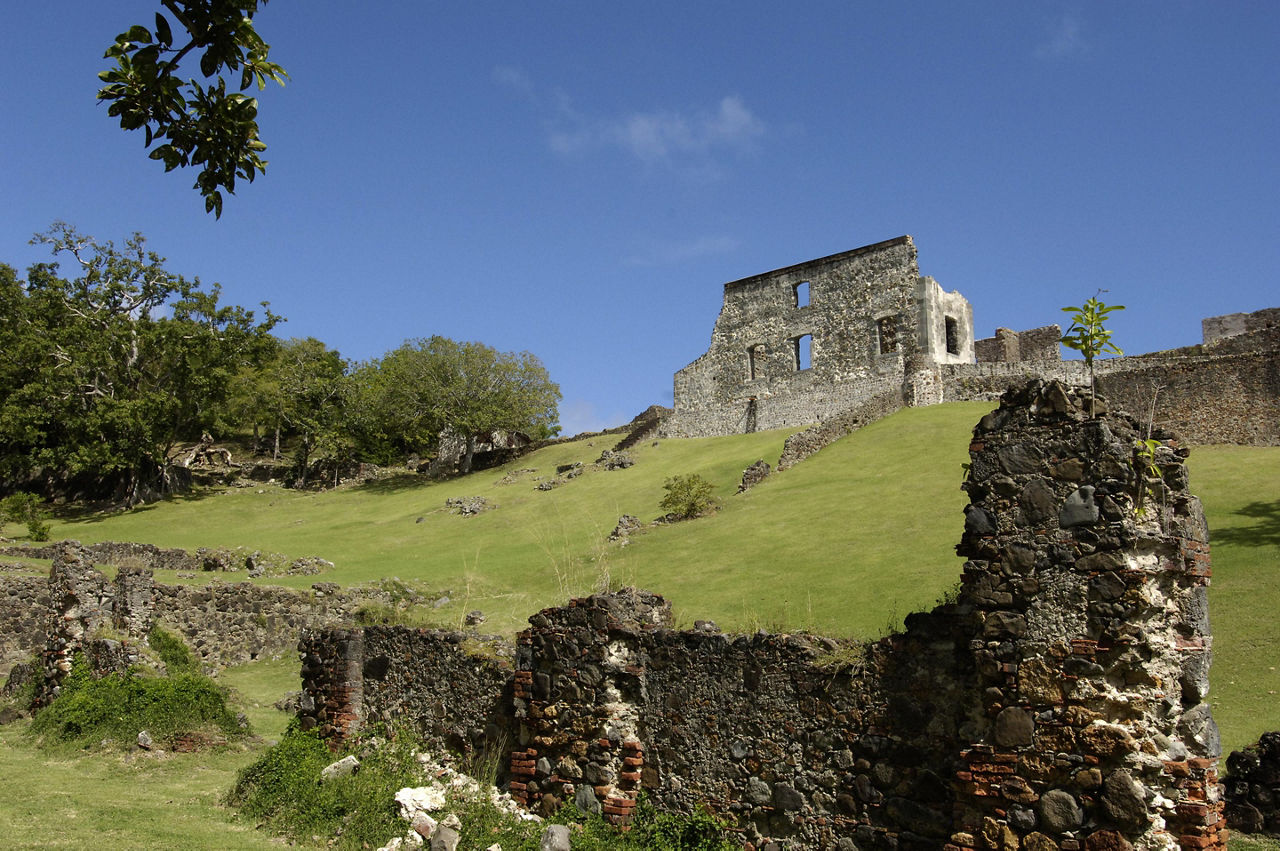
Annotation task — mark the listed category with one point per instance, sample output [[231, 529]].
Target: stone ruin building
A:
[[800, 344], [854, 336]]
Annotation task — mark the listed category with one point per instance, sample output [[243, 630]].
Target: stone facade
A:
[[1057, 703], [802, 344], [876, 330]]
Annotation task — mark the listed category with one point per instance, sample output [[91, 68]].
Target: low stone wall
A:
[[224, 623], [804, 443], [118, 553], [1057, 703]]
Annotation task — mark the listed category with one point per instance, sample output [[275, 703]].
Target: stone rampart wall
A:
[[1057, 703], [1223, 398], [802, 444]]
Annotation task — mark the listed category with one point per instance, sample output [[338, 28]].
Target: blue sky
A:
[[580, 179]]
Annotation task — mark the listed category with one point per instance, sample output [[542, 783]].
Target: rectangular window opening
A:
[[953, 336], [755, 361], [801, 293], [804, 349], [887, 334]]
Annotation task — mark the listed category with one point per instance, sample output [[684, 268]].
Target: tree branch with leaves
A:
[[198, 122]]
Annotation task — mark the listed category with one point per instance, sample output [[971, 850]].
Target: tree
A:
[[102, 374], [308, 376], [436, 385], [198, 123]]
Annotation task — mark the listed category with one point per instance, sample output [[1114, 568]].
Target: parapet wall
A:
[[1057, 703], [1205, 398]]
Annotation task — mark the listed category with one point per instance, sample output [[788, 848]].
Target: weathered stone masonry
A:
[[882, 337], [872, 324], [1057, 703]]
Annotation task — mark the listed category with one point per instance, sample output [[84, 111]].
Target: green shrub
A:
[[173, 652], [115, 708], [283, 791], [26, 508], [688, 496]]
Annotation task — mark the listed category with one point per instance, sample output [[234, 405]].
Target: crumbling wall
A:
[[1057, 703], [867, 317], [224, 624], [1216, 330], [1036, 344], [452, 689], [1206, 398]]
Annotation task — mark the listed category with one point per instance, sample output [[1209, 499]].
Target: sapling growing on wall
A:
[[1090, 337], [1146, 468]]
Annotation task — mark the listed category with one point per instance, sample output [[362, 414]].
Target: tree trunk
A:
[[471, 450], [275, 453]]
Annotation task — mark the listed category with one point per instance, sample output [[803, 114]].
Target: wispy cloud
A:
[[670, 253], [671, 137], [1064, 37], [579, 415]]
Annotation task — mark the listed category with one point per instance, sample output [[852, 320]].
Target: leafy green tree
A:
[[102, 374], [196, 122], [1090, 337], [436, 385], [308, 377], [688, 496]]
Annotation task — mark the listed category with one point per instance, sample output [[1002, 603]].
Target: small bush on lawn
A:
[[283, 791], [688, 496], [26, 508], [89, 711]]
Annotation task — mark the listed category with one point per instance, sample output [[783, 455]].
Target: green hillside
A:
[[845, 543]]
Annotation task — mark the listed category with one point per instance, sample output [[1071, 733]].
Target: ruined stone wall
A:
[[453, 689], [802, 444], [24, 603], [1217, 329], [1206, 398], [1037, 344], [224, 624], [1057, 703], [869, 317]]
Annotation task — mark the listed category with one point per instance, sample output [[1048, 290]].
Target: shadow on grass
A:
[[1264, 533], [395, 483], [96, 512]]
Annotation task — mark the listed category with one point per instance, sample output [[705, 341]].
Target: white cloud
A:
[[669, 137], [579, 415], [1065, 38], [668, 253]]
